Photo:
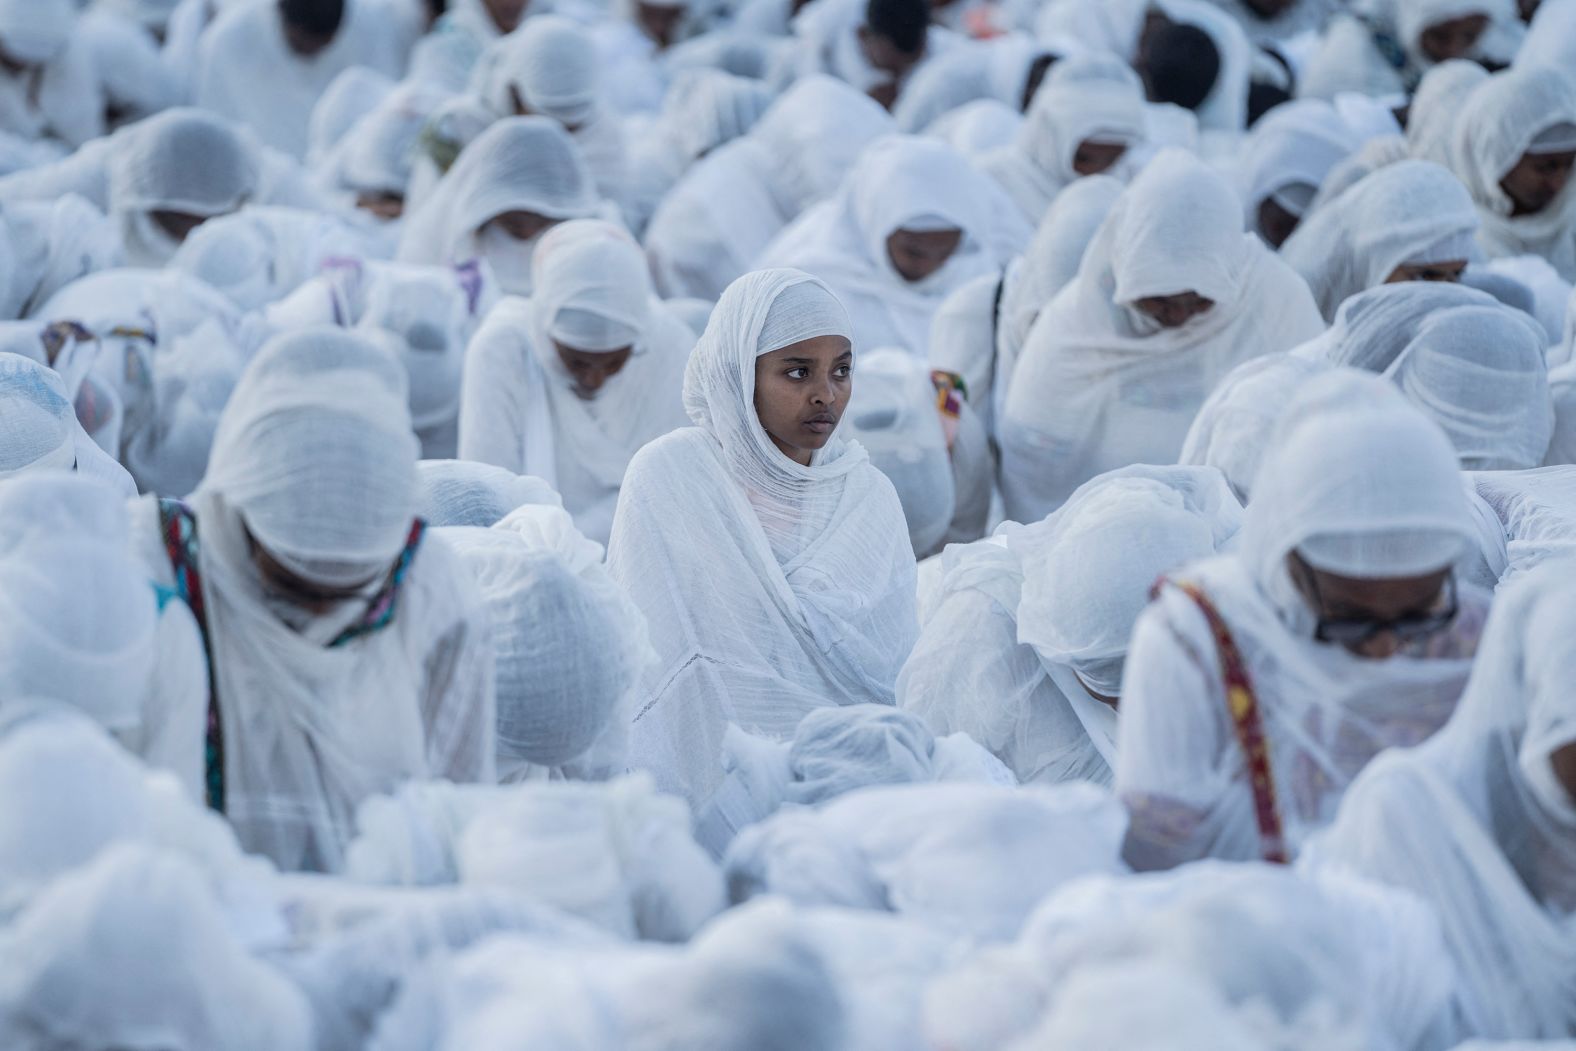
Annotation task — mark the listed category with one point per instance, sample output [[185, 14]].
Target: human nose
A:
[[1380, 646]]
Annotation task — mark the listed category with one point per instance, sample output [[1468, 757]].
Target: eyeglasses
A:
[[1409, 627]]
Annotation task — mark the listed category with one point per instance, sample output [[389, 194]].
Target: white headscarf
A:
[[900, 182], [1350, 60], [183, 160], [463, 493], [1411, 212], [1084, 98], [1494, 130], [1362, 485], [39, 429], [1476, 823], [48, 246], [814, 600], [1289, 153], [1100, 385], [525, 164], [519, 408]]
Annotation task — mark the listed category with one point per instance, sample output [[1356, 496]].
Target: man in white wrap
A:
[[770, 558]]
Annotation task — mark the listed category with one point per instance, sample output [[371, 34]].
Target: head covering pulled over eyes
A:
[[1360, 483], [315, 453], [182, 160], [551, 62], [591, 290]]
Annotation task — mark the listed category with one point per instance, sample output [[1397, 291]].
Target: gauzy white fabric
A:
[[568, 647], [245, 49], [997, 69], [1349, 59], [1436, 108], [1495, 127], [898, 182], [893, 415], [39, 428], [1026, 618], [1100, 385], [48, 246], [1410, 212], [1479, 373], [771, 589], [182, 160], [1372, 328], [1294, 146], [462, 493], [1365, 478], [78, 968], [526, 164], [1476, 822], [520, 408], [726, 210], [315, 462], [1232, 430], [1086, 97]]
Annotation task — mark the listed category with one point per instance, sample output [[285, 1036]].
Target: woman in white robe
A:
[[1285, 160], [1383, 47], [347, 651], [569, 384], [50, 87], [724, 212], [1034, 622], [1170, 296], [772, 585], [912, 222], [1259, 684], [1514, 147], [40, 429], [1411, 221], [520, 177], [1477, 821], [1083, 120]]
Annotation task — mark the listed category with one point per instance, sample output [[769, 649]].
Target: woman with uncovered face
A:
[[771, 560], [1170, 296], [913, 222], [569, 384]]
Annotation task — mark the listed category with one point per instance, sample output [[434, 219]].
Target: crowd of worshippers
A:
[[787, 525]]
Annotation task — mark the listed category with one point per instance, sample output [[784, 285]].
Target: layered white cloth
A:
[[519, 408], [314, 460], [1477, 824], [1479, 373], [1368, 481], [997, 70], [1027, 618], [1289, 153], [1497, 124], [902, 182], [1349, 59], [1100, 385], [725, 211], [1412, 212], [245, 50], [461, 493], [49, 245], [39, 429], [771, 589], [59, 95], [519, 164], [1085, 98]]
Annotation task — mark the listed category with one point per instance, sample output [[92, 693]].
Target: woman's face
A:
[[1536, 180], [592, 369], [383, 204], [917, 255], [1174, 311], [1563, 760], [1438, 273], [178, 225], [281, 584], [1383, 604], [1276, 224], [1092, 158], [523, 226], [506, 14], [1456, 38], [801, 392], [660, 22]]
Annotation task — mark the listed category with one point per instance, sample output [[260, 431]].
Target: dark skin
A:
[[1276, 224], [1527, 8], [14, 66], [506, 14], [1268, 9], [278, 582], [660, 23], [1334, 597], [305, 43], [521, 109], [1092, 158], [801, 392], [917, 255], [523, 226], [1456, 38], [1439, 273], [1174, 311], [382, 204], [1564, 762], [592, 369], [1104, 698], [1037, 71], [1536, 180], [179, 225], [886, 56]]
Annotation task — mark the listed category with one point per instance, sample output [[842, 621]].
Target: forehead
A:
[[816, 348]]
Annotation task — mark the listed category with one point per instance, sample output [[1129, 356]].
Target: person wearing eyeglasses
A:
[[1260, 683]]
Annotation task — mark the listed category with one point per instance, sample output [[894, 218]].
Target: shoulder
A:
[[438, 592], [688, 448]]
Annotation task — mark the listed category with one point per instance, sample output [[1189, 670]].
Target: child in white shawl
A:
[[1478, 820], [1171, 296], [1259, 684], [769, 557], [912, 222], [569, 384]]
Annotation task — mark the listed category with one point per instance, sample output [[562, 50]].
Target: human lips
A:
[[821, 423]]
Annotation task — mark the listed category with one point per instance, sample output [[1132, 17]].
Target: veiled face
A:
[[1174, 311], [1564, 762], [506, 14], [1448, 273], [1092, 158], [1456, 38], [592, 369], [1276, 224], [1382, 601], [1536, 180], [178, 225], [522, 226], [801, 392], [917, 255]]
